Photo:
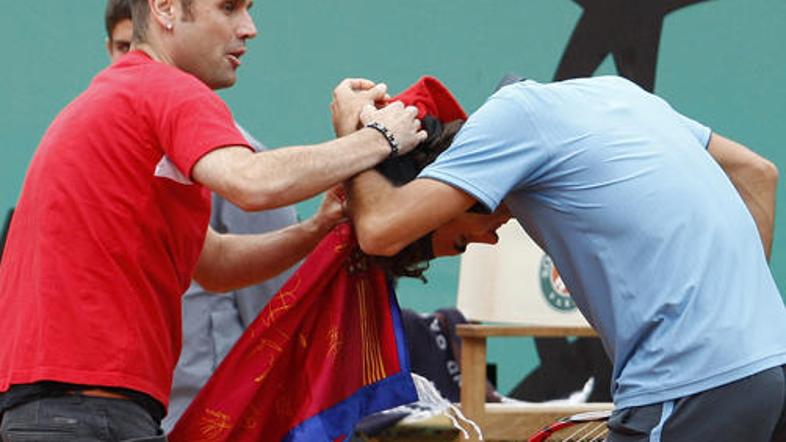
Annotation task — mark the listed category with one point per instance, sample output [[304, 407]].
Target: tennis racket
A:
[[582, 427]]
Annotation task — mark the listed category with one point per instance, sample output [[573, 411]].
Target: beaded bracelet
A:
[[388, 136]]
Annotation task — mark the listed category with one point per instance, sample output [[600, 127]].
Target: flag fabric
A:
[[431, 97], [326, 351]]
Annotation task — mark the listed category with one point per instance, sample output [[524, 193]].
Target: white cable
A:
[[429, 394]]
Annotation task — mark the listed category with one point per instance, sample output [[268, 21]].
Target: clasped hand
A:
[[357, 102]]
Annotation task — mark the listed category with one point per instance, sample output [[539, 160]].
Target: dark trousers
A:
[[79, 418], [752, 409]]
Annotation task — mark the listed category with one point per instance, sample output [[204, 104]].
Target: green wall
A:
[[722, 62]]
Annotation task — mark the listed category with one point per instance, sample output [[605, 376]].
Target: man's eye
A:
[[229, 6], [123, 47]]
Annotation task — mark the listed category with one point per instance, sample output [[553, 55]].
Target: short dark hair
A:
[[116, 11], [413, 260], [140, 11]]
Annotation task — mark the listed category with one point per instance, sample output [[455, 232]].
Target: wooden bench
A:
[[508, 421]]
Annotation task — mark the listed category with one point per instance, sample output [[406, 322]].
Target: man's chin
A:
[[223, 83]]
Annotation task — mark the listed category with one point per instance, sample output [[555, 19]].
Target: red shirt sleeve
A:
[[191, 120]]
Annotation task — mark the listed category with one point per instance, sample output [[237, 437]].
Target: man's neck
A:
[[153, 51]]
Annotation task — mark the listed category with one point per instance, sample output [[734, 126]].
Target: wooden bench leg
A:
[[473, 379]]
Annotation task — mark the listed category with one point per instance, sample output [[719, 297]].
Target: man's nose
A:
[[247, 29]]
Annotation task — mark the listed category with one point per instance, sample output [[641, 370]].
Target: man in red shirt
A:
[[112, 221], [212, 324]]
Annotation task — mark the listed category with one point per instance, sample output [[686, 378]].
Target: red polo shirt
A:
[[103, 243]]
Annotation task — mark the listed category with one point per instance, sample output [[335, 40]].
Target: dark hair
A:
[[116, 11], [414, 259], [140, 11]]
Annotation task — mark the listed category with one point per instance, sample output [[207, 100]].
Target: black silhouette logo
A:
[[629, 30]]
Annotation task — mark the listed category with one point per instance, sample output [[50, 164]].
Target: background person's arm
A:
[[755, 179], [230, 261]]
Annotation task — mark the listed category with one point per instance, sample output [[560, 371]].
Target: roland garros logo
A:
[[552, 287]]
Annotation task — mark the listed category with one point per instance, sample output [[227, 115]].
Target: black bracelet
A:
[[388, 136]]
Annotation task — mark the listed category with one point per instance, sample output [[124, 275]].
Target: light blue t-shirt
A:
[[655, 244]]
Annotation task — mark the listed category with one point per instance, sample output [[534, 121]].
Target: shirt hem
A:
[[642, 399], [212, 147], [70, 376]]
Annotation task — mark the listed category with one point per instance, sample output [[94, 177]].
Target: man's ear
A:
[[163, 12]]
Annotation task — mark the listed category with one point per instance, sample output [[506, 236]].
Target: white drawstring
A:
[[428, 394]]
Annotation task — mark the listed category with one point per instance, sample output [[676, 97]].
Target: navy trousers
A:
[[752, 409]]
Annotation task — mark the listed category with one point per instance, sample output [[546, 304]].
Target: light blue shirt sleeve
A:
[[496, 151], [700, 131]]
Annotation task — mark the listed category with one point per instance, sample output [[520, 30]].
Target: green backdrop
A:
[[722, 62]]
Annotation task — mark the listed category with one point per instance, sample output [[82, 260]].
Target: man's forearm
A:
[[372, 209], [758, 192], [388, 218], [755, 179], [279, 177], [257, 181], [233, 261]]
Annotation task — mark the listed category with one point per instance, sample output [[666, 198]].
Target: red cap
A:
[[432, 98]]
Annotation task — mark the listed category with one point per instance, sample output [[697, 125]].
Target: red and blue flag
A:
[[326, 351]]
